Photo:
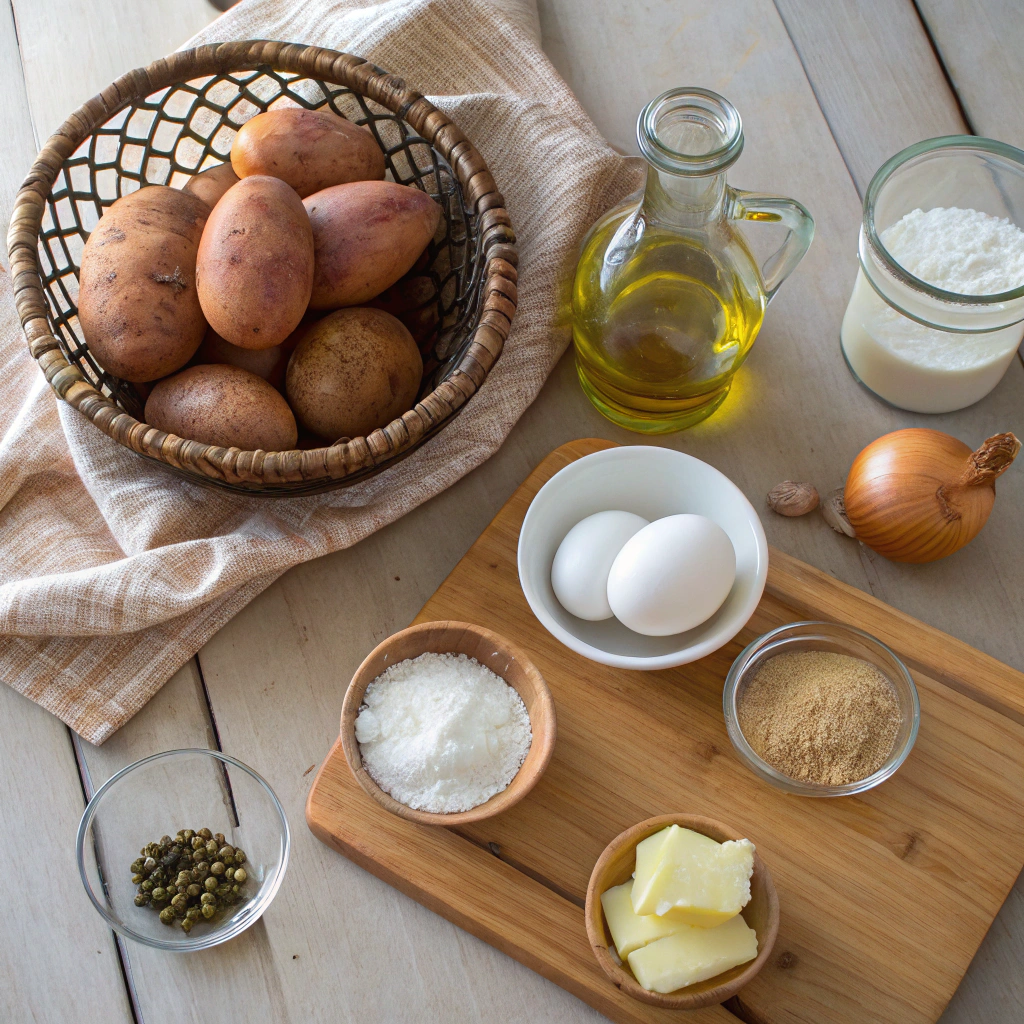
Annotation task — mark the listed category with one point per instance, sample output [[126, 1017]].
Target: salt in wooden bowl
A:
[[503, 658], [616, 865]]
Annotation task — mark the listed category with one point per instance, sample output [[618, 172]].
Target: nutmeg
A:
[[792, 499]]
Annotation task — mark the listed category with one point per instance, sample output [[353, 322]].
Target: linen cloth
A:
[[113, 571]]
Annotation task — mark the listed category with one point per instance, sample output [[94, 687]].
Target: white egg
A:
[[672, 575], [579, 573]]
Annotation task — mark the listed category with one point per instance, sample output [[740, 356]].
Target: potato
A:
[[137, 300], [353, 371], [222, 405], [366, 235], [255, 263], [211, 185], [268, 363], [413, 300], [309, 149]]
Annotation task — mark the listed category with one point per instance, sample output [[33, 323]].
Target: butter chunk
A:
[[691, 878], [630, 932], [693, 954]]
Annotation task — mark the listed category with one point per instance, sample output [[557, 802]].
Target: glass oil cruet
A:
[[667, 298]]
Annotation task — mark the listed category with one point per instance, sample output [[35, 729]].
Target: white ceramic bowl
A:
[[653, 483]]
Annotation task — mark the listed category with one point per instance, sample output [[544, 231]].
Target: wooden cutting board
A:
[[884, 897]]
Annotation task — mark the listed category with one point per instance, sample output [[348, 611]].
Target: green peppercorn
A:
[[222, 890], [208, 910], [137, 865], [180, 910], [186, 925], [211, 849], [240, 876], [239, 856], [216, 868], [188, 833], [138, 878], [171, 890], [192, 914], [198, 843], [158, 875], [219, 836], [159, 895], [205, 833], [182, 879], [167, 915], [194, 890], [229, 873], [180, 900], [210, 883], [203, 866], [142, 899], [207, 897], [148, 885]]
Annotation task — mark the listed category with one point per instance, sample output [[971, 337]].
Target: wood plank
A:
[[847, 871], [277, 672], [72, 51], [876, 77], [57, 952], [980, 43]]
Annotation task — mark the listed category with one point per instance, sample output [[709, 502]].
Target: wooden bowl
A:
[[616, 865], [501, 657]]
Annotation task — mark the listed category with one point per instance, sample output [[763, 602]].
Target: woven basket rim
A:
[[298, 470]]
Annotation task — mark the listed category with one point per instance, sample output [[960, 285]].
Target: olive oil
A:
[[667, 298], [660, 323]]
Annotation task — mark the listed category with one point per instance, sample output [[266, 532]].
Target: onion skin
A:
[[918, 495]]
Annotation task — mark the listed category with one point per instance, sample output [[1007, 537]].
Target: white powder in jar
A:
[[442, 733], [962, 251]]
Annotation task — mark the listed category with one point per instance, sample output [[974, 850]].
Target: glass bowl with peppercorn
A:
[[821, 709], [183, 850]]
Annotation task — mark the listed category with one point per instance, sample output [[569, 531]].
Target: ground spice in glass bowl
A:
[[821, 709]]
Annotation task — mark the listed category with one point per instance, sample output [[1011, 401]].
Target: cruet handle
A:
[[769, 209]]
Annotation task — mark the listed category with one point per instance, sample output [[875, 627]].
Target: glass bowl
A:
[[840, 639], [159, 795]]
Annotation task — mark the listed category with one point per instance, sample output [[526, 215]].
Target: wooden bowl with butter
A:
[[502, 657], [616, 865]]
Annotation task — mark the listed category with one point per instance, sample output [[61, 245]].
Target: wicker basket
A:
[[161, 124]]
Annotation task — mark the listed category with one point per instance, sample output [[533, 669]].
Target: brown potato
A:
[[366, 235], [137, 300], [222, 405], [268, 363], [211, 185], [309, 149], [413, 300], [255, 265], [353, 371]]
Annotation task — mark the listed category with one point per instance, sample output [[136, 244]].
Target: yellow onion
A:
[[917, 495]]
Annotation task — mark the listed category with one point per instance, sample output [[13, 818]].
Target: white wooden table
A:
[[827, 92]]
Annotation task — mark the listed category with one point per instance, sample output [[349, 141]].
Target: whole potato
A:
[[137, 299], [268, 363], [366, 235], [222, 405], [353, 371], [255, 263], [211, 185], [309, 149]]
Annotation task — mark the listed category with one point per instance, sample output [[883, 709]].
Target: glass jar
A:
[[667, 298], [917, 346]]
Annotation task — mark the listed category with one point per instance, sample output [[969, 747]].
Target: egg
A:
[[579, 573], [672, 575]]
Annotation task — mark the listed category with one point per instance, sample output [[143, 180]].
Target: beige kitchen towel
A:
[[113, 571]]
